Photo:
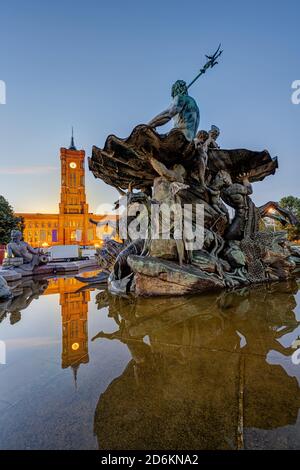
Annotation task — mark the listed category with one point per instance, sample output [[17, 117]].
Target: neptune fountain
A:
[[186, 168]]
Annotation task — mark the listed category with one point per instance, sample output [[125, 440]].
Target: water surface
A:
[[86, 370]]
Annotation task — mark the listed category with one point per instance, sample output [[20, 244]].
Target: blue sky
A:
[[104, 67]]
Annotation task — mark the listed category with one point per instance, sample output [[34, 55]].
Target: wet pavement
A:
[[86, 370]]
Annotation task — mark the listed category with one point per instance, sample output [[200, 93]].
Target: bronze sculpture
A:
[[25, 256], [185, 168]]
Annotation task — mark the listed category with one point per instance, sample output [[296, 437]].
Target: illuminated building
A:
[[72, 224]]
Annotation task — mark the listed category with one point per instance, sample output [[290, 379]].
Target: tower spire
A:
[[75, 370], [72, 145]]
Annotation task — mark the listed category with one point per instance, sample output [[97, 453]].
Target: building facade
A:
[[72, 224]]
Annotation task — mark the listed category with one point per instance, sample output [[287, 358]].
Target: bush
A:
[[292, 203], [8, 221]]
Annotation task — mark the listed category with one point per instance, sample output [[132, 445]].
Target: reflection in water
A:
[[208, 372], [74, 316], [23, 294], [199, 375]]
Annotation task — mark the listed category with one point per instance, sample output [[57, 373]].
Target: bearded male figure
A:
[[18, 248], [183, 110]]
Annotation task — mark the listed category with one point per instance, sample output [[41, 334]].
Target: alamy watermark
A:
[[296, 357], [160, 221], [2, 92], [296, 93], [2, 352]]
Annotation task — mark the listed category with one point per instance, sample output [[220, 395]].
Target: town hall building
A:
[[72, 224]]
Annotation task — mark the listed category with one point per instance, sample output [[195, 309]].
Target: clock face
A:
[[73, 165]]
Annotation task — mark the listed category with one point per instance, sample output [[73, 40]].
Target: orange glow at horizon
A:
[[35, 208]]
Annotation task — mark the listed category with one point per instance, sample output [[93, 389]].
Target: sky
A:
[[104, 67]]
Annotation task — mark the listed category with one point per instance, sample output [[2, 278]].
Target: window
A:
[[74, 328], [54, 235], [72, 180]]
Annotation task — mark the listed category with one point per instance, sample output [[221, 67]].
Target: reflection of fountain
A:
[[22, 295], [197, 384]]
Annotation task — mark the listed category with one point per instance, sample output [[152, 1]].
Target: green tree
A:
[[292, 204], [8, 221]]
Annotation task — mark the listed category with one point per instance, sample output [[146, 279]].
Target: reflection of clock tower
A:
[[74, 317], [74, 312], [73, 208]]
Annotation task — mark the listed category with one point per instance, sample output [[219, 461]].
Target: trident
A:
[[212, 61]]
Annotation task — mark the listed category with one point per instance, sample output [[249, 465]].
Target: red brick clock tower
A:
[[73, 209]]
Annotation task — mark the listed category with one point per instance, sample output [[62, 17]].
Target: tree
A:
[[8, 221], [292, 204]]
